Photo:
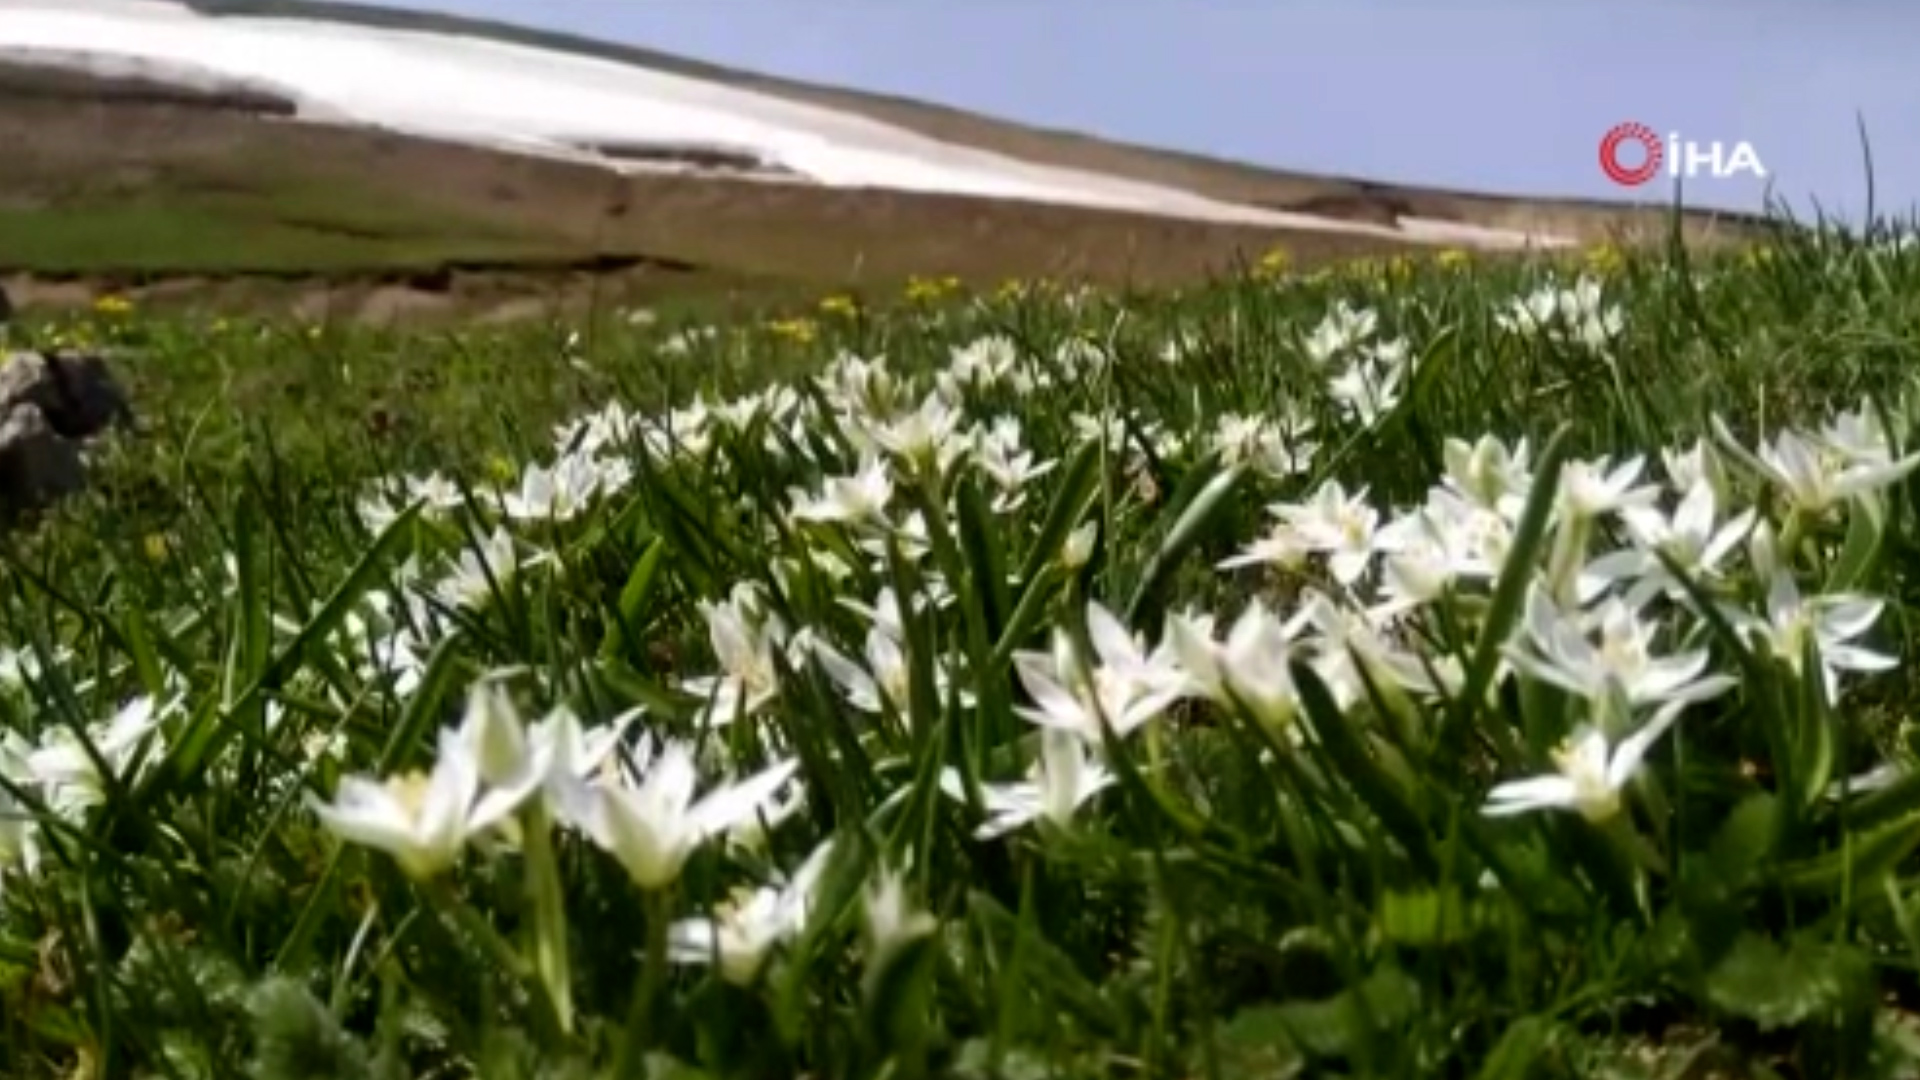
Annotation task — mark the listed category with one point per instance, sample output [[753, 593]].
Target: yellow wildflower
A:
[[799, 331], [1606, 259], [927, 290], [840, 305]]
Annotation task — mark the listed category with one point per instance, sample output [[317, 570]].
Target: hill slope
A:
[[129, 173]]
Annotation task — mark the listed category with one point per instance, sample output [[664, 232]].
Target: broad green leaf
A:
[[1776, 987], [1070, 501], [1344, 747], [1519, 1050], [1866, 533], [1745, 842], [1337, 1027], [1180, 539], [1257, 1043], [1871, 854], [1510, 590], [634, 596]]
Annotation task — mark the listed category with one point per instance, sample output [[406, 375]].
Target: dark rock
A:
[[76, 391], [50, 404], [38, 465]]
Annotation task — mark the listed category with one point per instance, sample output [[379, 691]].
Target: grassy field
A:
[[1418, 669]]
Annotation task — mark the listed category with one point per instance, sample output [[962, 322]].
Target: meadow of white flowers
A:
[[1081, 707]]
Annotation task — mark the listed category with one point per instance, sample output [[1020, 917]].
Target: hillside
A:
[[127, 180]]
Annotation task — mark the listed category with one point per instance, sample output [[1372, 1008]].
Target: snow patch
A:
[[528, 100]]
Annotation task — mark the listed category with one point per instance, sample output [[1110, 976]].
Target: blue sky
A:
[[1511, 96]]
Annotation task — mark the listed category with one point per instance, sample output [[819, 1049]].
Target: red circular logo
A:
[[1625, 134]]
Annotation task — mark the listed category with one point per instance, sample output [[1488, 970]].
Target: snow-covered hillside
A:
[[528, 100]]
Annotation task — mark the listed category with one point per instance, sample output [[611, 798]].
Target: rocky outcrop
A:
[[51, 404]]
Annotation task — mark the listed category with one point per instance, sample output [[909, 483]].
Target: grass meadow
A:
[[1422, 669]]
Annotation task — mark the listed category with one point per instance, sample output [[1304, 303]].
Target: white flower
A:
[[886, 680], [928, 435], [741, 934], [19, 831], [1858, 437], [752, 832], [1283, 547], [1077, 549], [855, 499], [1341, 329], [1690, 538], [1534, 313], [484, 771], [71, 777], [1559, 653], [1816, 478], [891, 918], [1125, 688], [1276, 448], [1336, 524], [1592, 489], [1370, 387], [1489, 475], [1832, 622], [1688, 468], [574, 752], [480, 570], [745, 639], [997, 452], [1064, 778], [1418, 565], [1591, 774], [984, 362], [653, 824], [1249, 669], [559, 493]]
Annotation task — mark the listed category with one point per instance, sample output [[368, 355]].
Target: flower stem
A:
[[653, 974], [550, 957]]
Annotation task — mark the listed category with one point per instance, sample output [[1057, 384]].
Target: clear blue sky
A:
[[1511, 96]]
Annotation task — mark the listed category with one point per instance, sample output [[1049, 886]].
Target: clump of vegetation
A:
[[1421, 669]]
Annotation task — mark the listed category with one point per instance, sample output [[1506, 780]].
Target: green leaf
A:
[[1340, 1026], [427, 703], [1063, 513], [210, 731], [1258, 1044], [1870, 855], [552, 967], [146, 659], [1745, 842], [1777, 987], [1425, 918], [986, 558], [1336, 736], [1510, 591], [255, 620], [1520, 1048], [1866, 533], [1897, 799], [633, 598], [1180, 539]]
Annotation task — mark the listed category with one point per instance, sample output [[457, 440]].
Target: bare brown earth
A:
[[218, 200]]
